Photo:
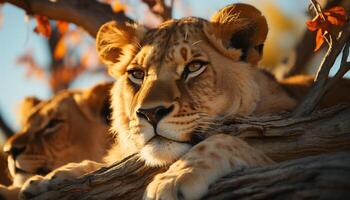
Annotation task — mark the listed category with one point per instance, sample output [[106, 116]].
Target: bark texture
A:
[[317, 177], [281, 138]]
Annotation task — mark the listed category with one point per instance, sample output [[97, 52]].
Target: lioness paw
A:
[[33, 187], [39, 184], [190, 176], [176, 185]]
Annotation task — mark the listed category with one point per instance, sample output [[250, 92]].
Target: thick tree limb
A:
[[281, 138], [317, 177], [89, 14], [286, 138]]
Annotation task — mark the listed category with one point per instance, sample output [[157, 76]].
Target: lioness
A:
[[175, 80], [72, 126]]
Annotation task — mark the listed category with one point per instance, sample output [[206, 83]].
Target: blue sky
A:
[[17, 37]]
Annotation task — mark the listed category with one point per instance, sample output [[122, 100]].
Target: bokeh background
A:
[[27, 60]]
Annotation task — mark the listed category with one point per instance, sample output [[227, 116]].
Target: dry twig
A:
[[321, 85], [303, 52]]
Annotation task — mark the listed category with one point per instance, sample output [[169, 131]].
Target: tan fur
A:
[[122, 41], [82, 133], [9, 193], [4, 173], [299, 85], [189, 176], [26, 108], [229, 85]]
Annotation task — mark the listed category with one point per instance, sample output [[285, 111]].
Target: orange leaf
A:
[[319, 39], [43, 26], [312, 25], [336, 10], [335, 21], [60, 49], [336, 15], [62, 26], [117, 6]]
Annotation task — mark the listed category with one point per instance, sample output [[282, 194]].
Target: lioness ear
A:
[[26, 108], [239, 26], [117, 43]]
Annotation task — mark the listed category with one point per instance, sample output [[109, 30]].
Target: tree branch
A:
[[343, 69], [159, 8], [89, 14], [320, 87], [307, 178], [281, 138], [303, 52]]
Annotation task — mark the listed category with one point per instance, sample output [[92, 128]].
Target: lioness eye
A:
[[194, 68], [136, 76], [53, 123]]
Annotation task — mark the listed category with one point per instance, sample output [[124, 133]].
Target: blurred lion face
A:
[[58, 131]]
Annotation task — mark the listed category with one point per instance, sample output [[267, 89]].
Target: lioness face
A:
[[167, 89], [61, 130], [172, 83]]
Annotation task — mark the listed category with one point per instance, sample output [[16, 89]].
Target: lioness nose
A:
[[154, 115]]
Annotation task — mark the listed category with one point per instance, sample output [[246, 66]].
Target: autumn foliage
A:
[[43, 26], [71, 52], [324, 21], [71, 37], [67, 44]]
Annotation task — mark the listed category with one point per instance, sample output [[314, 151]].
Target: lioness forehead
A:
[[51, 107], [174, 29], [173, 41]]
